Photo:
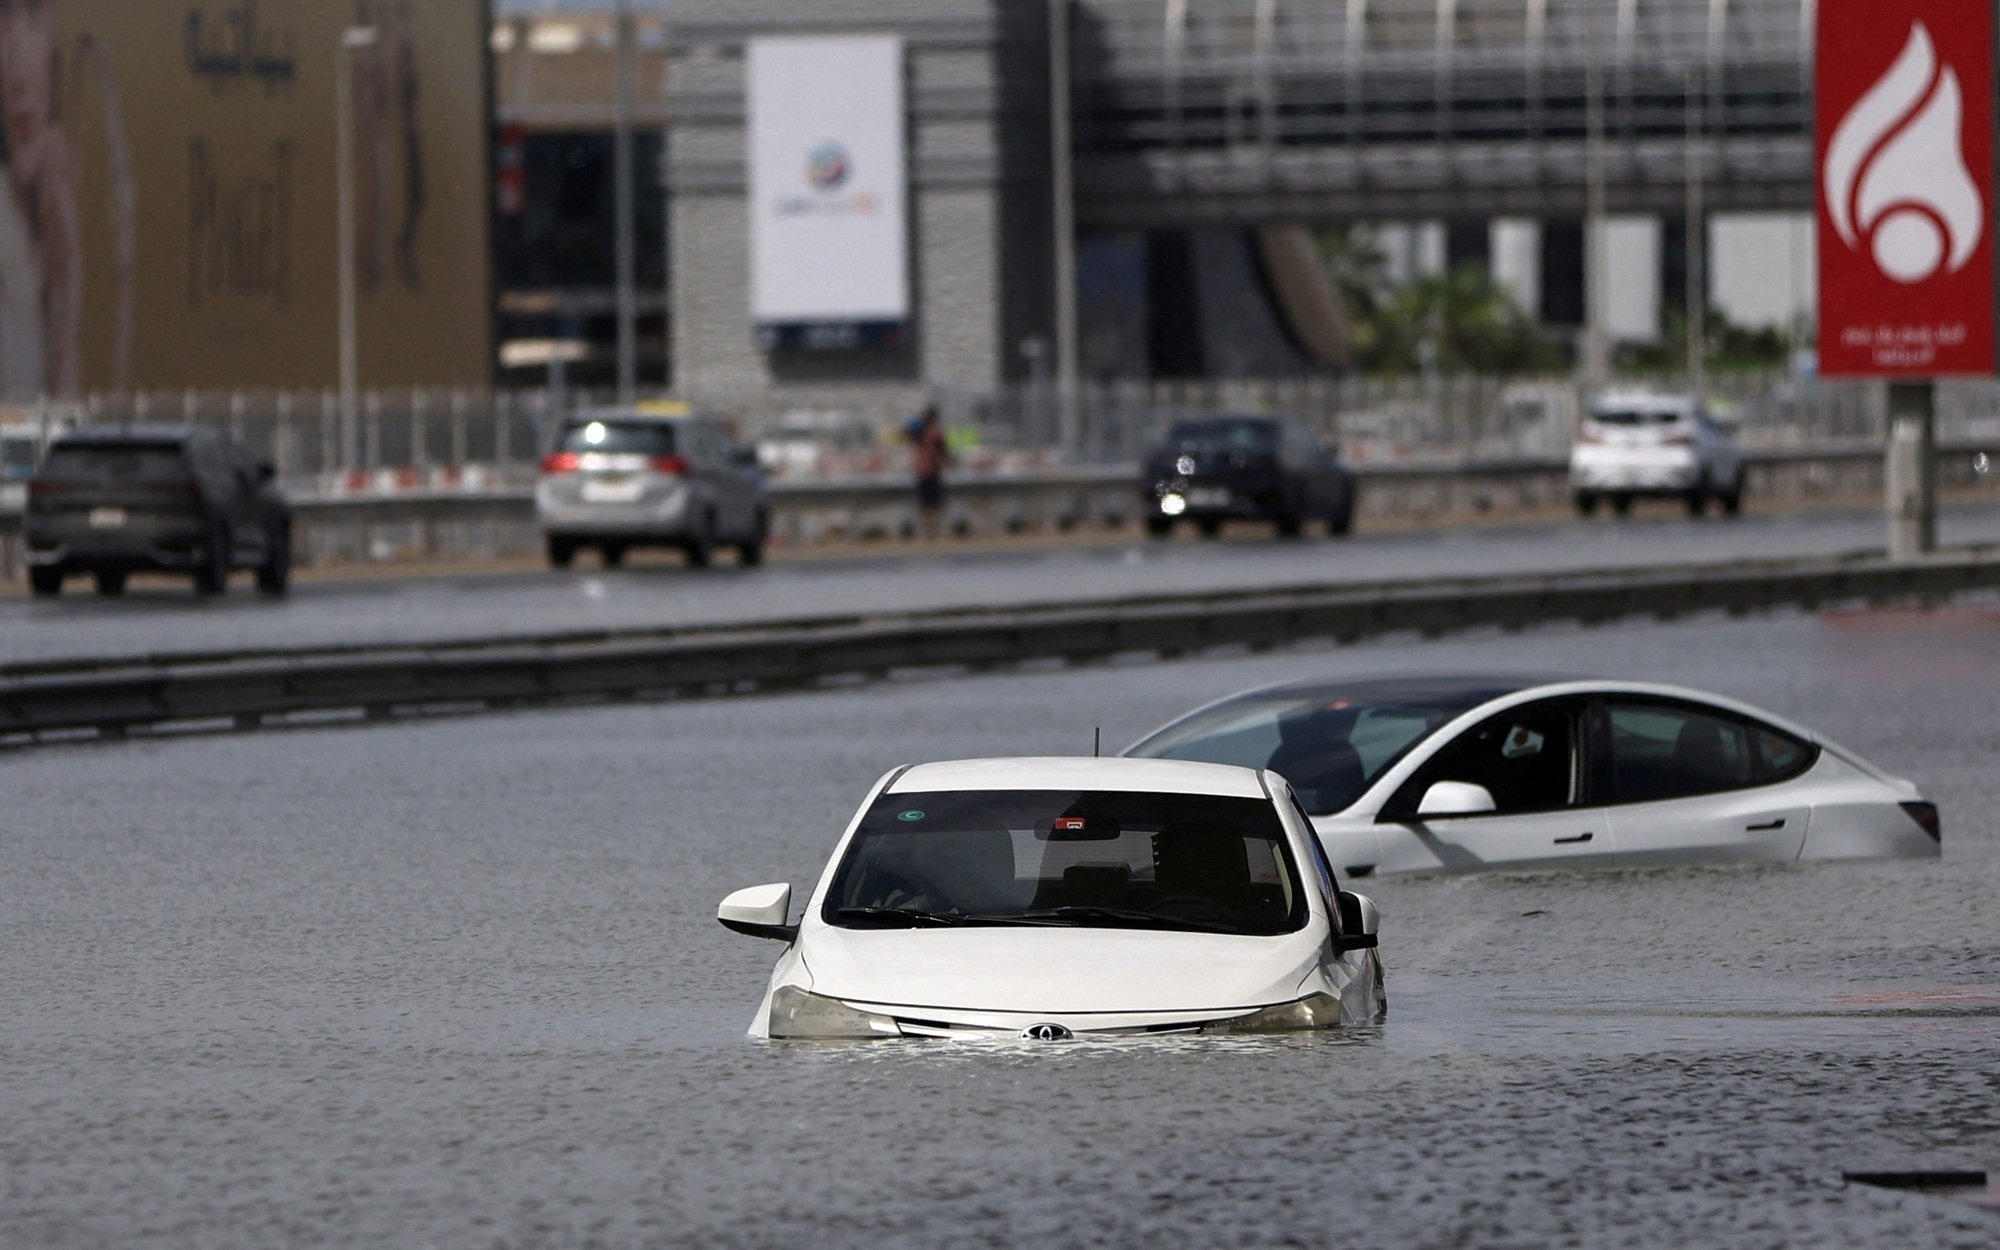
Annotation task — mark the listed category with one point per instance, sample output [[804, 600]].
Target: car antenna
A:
[[1097, 742]]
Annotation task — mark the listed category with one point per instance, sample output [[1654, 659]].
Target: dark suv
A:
[[1213, 469], [112, 500]]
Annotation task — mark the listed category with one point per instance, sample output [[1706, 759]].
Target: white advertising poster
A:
[[829, 240]]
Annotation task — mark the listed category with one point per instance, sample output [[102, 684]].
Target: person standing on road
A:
[[930, 459]]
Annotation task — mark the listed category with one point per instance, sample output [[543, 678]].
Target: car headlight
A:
[[1314, 1011], [796, 1013], [1173, 505]]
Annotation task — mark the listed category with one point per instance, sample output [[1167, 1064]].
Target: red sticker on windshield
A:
[[1069, 822]]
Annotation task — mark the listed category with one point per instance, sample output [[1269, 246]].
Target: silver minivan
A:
[[653, 475]]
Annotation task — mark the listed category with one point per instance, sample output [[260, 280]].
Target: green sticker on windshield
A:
[[912, 814]]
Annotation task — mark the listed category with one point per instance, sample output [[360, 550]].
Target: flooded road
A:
[[458, 984]]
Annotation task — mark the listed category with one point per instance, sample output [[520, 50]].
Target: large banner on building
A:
[[1904, 103], [167, 211], [829, 239]]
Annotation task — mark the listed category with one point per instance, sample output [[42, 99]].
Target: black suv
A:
[[112, 500], [1212, 469]]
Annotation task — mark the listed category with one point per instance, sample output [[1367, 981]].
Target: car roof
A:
[[1063, 772]]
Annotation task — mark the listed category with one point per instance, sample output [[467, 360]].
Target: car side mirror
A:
[[744, 457], [759, 912], [1455, 798], [1358, 921], [266, 470]]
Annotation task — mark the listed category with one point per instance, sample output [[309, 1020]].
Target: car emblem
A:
[[1047, 1033]]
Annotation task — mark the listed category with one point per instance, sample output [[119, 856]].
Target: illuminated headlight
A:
[[1173, 505], [795, 1013], [1314, 1011]]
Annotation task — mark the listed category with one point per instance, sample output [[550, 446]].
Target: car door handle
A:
[[1779, 823], [1581, 837]]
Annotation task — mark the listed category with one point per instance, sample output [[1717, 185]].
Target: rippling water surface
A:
[[456, 984]]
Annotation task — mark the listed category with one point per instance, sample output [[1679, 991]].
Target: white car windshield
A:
[[1117, 859]]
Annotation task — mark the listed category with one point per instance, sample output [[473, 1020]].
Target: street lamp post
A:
[[352, 40], [1063, 221], [621, 157]]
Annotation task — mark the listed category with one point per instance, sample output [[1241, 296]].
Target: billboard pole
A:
[[352, 40], [1062, 196], [1909, 470]]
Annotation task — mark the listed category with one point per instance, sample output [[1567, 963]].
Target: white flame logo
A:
[[1894, 177]]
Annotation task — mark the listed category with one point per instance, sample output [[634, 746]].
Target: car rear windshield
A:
[[618, 438], [1097, 858], [1635, 417], [17, 459], [115, 464], [1330, 744], [1225, 432]]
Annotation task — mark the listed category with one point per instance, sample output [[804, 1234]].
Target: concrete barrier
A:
[[66, 699]]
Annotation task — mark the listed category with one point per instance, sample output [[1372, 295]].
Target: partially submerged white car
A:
[[1056, 898], [1435, 774]]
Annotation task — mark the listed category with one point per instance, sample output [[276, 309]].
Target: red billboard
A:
[[1904, 146]]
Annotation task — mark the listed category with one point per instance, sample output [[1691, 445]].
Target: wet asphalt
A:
[[160, 615]]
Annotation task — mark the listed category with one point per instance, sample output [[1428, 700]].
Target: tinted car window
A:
[[116, 464], [1525, 757], [618, 438], [1669, 751], [1226, 432], [1085, 858]]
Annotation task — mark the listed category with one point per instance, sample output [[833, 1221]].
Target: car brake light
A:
[[1926, 816], [176, 490], [1589, 434], [672, 466], [561, 462], [1679, 440], [45, 490]]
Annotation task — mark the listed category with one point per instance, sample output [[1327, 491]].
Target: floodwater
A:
[[457, 984]]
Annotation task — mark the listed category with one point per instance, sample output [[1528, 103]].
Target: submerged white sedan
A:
[[1435, 774], [1053, 898]]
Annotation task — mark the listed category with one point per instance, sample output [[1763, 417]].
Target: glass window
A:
[[17, 459], [1330, 744], [1670, 750], [1243, 432], [1635, 416], [115, 464], [1089, 858], [1525, 757], [617, 438]]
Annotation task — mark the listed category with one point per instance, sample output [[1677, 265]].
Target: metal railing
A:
[[471, 439]]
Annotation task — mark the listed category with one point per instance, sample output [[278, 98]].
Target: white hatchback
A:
[[1636, 443], [1053, 898], [1451, 774]]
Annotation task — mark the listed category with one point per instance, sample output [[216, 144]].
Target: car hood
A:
[[1059, 969]]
